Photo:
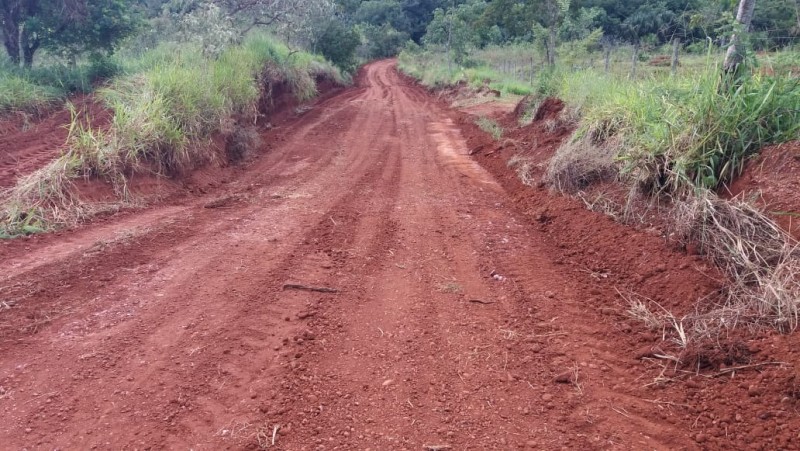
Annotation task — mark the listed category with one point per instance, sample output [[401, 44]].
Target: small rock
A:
[[547, 397], [388, 382], [567, 377], [754, 391], [700, 438]]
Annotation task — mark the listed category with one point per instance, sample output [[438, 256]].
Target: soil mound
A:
[[772, 181], [549, 109]]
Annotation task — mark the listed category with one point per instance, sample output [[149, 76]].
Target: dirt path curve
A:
[[176, 328]]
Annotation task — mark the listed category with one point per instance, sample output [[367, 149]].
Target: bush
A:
[[338, 44]]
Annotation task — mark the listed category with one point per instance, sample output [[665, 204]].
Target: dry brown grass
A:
[[524, 168], [580, 162], [761, 259], [762, 264]]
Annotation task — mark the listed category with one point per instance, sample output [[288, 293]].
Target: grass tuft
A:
[[490, 126]]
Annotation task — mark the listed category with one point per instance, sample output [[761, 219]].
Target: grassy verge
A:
[[670, 133], [677, 138], [432, 70], [165, 109], [490, 126], [682, 133], [17, 93], [34, 91]]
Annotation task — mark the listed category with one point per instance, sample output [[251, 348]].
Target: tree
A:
[[649, 18], [338, 43], [454, 28], [384, 40], [550, 15], [418, 14], [70, 26], [104, 25], [735, 54]]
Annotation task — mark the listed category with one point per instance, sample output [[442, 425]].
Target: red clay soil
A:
[[772, 181], [27, 144], [365, 284]]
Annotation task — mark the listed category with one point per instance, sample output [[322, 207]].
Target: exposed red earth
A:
[[365, 283], [772, 181], [28, 143]]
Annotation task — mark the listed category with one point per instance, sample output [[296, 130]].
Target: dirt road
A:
[[451, 325]]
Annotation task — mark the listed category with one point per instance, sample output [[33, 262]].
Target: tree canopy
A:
[[64, 26], [376, 28]]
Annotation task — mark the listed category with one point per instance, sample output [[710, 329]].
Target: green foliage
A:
[[490, 126], [453, 29], [383, 41], [209, 26], [648, 18], [18, 93], [67, 29], [40, 88], [681, 133], [99, 28], [338, 44]]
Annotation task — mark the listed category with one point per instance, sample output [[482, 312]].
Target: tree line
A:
[[348, 30]]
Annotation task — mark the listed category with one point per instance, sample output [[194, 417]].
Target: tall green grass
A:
[[433, 71], [18, 93], [682, 133], [671, 133], [166, 107], [38, 89]]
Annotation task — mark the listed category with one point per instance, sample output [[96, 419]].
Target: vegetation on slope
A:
[[674, 130], [164, 113]]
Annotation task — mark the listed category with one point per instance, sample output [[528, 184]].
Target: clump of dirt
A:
[[242, 142], [550, 108], [771, 181], [712, 356], [660, 61], [523, 106]]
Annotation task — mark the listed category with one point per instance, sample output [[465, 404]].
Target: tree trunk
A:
[[796, 30], [607, 59], [11, 43], [735, 54], [10, 22], [28, 50], [634, 59], [676, 46], [531, 74], [551, 46], [28, 46], [449, 39]]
